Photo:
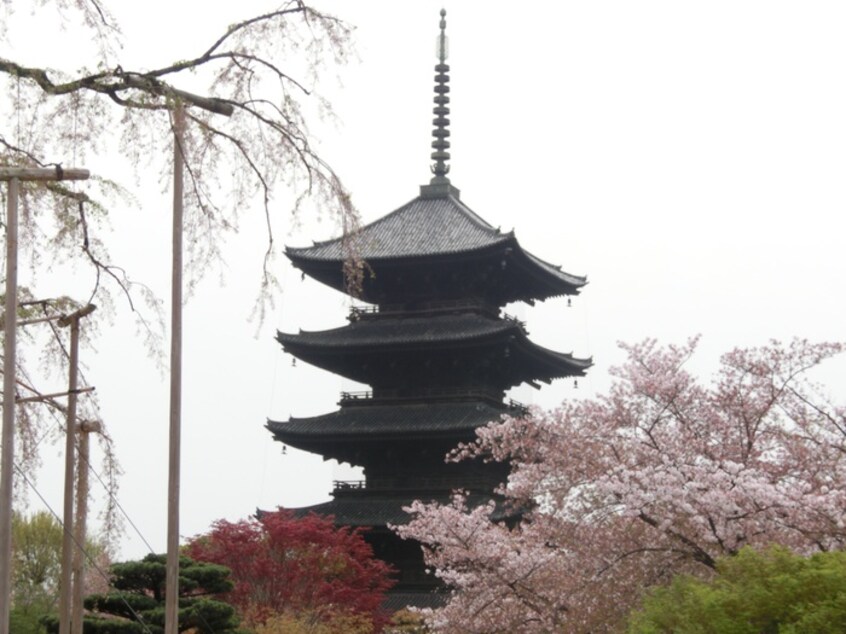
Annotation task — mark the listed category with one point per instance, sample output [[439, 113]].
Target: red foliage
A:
[[281, 563]]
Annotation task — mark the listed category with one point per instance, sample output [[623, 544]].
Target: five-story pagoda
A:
[[433, 345]]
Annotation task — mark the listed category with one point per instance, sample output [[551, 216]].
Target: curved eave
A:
[[559, 365], [394, 332], [347, 354], [302, 259], [434, 229], [541, 279], [331, 271], [379, 511], [559, 282], [380, 421]]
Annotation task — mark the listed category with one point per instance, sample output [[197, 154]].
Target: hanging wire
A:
[[88, 556], [118, 506], [81, 547], [60, 424]]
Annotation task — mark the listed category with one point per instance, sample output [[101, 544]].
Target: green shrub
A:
[[768, 592]]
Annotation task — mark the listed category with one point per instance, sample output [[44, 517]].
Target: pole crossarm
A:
[[57, 173], [45, 397], [67, 320], [38, 320], [64, 320]]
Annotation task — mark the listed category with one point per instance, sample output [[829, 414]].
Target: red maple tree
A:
[[282, 564]]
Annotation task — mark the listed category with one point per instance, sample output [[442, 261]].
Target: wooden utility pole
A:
[[9, 363], [79, 527], [217, 106], [65, 592], [14, 176], [172, 564]]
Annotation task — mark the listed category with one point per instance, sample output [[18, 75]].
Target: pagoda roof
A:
[[381, 510], [390, 331], [421, 227], [363, 422], [357, 350], [427, 227]]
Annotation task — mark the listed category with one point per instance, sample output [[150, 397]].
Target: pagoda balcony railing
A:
[[426, 308], [358, 313], [518, 410], [414, 484], [368, 397], [349, 485]]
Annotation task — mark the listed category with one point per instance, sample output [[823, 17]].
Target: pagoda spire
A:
[[441, 132], [440, 186]]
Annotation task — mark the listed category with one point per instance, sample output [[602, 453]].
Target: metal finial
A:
[[443, 44], [440, 145]]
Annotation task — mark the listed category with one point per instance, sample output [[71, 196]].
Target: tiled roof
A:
[[355, 350], [423, 226], [403, 330], [426, 227], [373, 420], [381, 511], [555, 270]]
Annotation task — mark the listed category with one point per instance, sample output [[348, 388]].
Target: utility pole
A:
[[172, 564], [71, 320], [79, 527], [14, 176]]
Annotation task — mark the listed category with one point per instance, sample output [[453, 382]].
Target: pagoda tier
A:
[[462, 349], [464, 257], [386, 509], [380, 434]]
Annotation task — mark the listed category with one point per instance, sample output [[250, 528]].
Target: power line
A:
[[92, 562]]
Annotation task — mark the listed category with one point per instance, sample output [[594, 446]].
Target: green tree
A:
[[36, 568], [36, 559], [136, 603], [754, 592]]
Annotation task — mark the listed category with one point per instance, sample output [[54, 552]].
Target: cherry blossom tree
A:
[[249, 95], [662, 476]]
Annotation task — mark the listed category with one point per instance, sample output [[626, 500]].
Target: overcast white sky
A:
[[688, 157]]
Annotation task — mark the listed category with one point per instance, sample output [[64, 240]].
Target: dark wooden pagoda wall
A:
[[434, 347]]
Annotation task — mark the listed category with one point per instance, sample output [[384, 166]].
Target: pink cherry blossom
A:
[[661, 476]]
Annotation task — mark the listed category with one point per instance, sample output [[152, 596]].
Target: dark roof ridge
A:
[[557, 267], [471, 215], [583, 362], [477, 218], [492, 325], [378, 221]]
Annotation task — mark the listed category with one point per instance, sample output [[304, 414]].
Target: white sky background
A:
[[688, 157]]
